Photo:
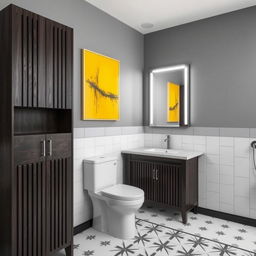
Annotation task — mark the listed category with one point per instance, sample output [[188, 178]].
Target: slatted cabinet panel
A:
[[59, 173], [31, 204], [168, 176], [59, 176], [28, 47], [42, 61], [59, 54], [30, 194], [142, 177]]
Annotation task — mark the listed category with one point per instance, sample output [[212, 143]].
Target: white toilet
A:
[[114, 205]]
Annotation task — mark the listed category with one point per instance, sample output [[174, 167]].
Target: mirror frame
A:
[[186, 108]]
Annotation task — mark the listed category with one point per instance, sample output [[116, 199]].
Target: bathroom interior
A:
[[127, 127]]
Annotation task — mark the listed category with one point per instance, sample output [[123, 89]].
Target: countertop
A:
[[165, 153]]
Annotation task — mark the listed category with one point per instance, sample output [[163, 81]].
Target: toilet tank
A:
[[99, 172]]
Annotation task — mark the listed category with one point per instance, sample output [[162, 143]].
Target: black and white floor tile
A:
[[160, 232], [212, 228]]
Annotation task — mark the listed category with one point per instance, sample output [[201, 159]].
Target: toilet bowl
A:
[[114, 205]]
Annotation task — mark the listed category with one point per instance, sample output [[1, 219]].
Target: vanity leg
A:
[[69, 250], [184, 217], [195, 209]]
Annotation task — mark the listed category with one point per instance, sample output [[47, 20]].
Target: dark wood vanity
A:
[[171, 182]]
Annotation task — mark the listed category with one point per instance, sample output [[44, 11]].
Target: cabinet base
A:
[[184, 212], [69, 250]]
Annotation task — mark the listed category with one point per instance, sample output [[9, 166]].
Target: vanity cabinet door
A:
[[168, 184], [142, 176]]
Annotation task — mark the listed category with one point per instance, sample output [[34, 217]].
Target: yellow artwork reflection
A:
[[100, 78], [173, 103]]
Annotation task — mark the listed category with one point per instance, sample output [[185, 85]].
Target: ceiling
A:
[[166, 13]]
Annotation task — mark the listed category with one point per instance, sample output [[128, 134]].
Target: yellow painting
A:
[[100, 82], [173, 103]]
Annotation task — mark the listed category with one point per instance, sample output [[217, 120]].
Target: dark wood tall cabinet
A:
[[36, 184]]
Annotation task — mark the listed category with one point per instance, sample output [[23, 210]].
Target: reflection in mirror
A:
[[169, 96]]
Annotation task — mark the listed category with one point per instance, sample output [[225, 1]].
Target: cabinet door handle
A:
[[42, 147], [156, 174], [49, 153]]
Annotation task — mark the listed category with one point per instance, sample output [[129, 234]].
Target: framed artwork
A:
[[100, 84], [173, 103]]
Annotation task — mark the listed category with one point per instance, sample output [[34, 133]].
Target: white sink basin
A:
[[167, 153], [163, 151]]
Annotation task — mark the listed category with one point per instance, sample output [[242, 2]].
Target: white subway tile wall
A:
[[227, 180]]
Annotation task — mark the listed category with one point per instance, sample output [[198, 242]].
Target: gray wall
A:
[[222, 54], [97, 31]]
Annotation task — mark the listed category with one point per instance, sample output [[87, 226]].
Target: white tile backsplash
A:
[[226, 155], [200, 140], [213, 201], [241, 187], [242, 167], [213, 187], [227, 208], [227, 181], [242, 206], [213, 173], [227, 170], [213, 159], [200, 147], [226, 194], [187, 139], [188, 146], [213, 145], [242, 146], [176, 141], [227, 141]]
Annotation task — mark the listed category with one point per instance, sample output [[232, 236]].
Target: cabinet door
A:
[[141, 176], [28, 55], [59, 197], [29, 196], [168, 184], [59, 62]]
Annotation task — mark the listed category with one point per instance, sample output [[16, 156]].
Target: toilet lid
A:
[[123, 192]]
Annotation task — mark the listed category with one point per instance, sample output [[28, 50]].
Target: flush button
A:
[[115, 163]]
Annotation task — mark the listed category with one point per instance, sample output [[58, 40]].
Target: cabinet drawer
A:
[[28, 148]]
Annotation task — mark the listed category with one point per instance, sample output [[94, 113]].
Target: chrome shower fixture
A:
[[253, 145]]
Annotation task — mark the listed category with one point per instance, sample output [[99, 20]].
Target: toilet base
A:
[[115, 220], [121, 226]]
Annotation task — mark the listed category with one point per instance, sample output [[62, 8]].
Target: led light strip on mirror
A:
[[185, 68]]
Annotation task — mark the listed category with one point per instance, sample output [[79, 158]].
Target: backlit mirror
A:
[[169, 96]]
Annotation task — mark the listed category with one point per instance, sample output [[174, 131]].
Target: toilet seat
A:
[[123, 192]]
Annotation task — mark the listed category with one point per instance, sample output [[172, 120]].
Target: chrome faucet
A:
[[168, 141]]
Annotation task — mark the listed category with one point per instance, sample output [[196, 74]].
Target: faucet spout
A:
[[168, 141]]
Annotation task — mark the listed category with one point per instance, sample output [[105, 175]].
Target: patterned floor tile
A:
[[160, 232]]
